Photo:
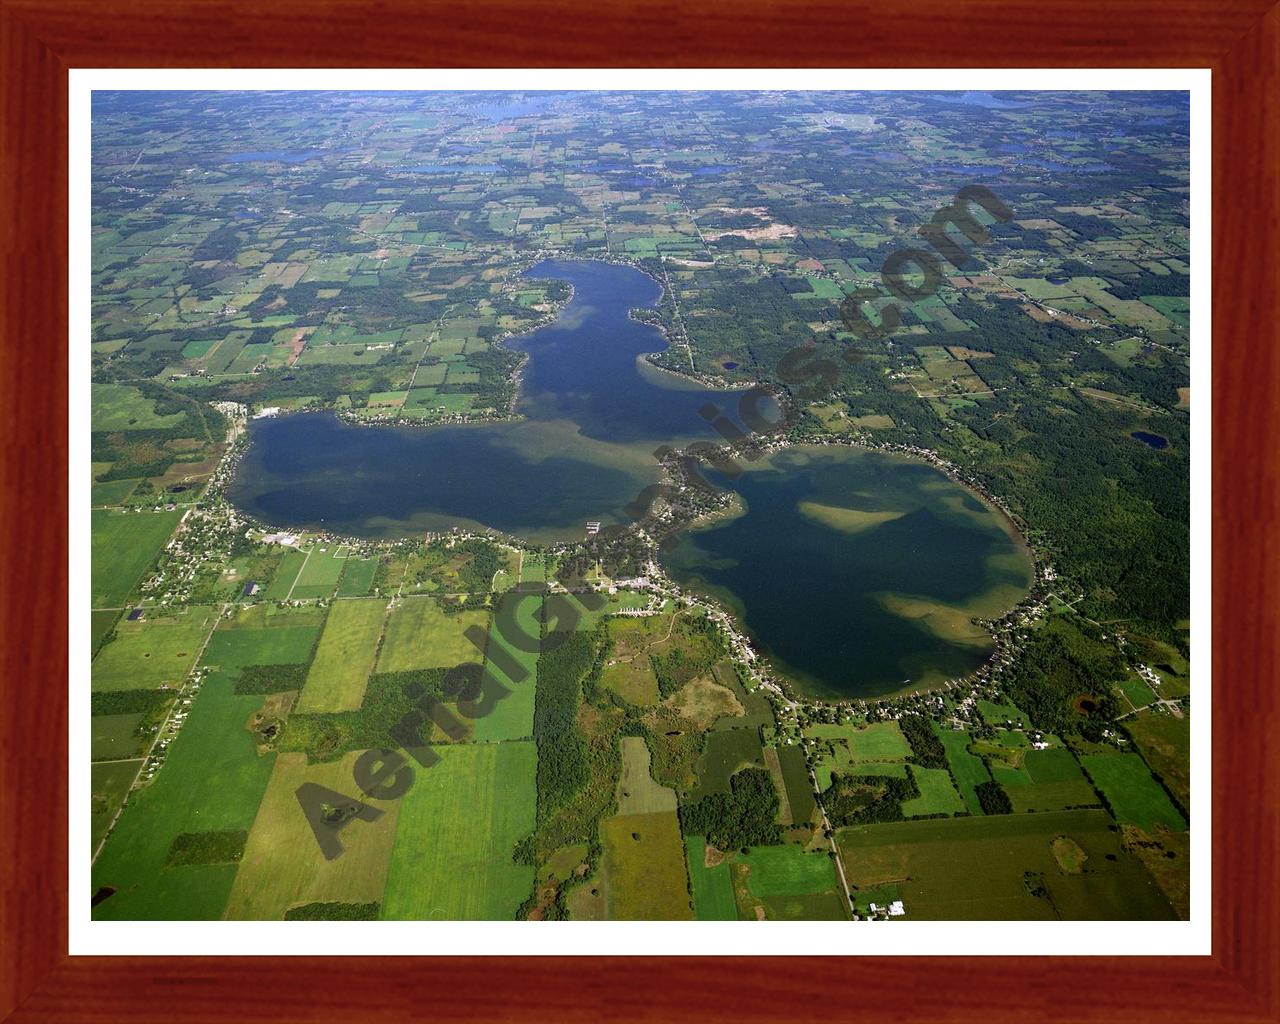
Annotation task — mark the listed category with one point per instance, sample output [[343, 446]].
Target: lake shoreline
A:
[[687, 508], [957, 622]]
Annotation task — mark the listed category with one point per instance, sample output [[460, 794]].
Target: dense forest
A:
[[853, 799], [562, 755], [743, 817]]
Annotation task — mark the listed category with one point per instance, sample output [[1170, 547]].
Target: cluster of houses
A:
[[169, 729], [202, 540]]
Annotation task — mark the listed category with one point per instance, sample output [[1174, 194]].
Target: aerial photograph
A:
[[639, 505]]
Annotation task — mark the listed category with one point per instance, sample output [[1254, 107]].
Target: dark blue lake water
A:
[[593, 414], [858, 572]]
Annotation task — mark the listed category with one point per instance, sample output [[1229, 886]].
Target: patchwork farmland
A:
[[364, 672]]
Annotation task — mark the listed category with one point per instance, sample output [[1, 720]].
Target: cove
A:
[[857, 572]]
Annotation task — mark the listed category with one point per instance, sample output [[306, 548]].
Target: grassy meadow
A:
[[456, 829], [283, 866], [152, 652], [420, 635], [1002, 867], [712, 886], [123, 546], [344, 658]]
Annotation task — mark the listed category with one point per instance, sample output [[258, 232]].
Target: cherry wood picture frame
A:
[[41, 39]]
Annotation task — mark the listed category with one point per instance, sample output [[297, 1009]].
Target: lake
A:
[[854, 570], [593, 411], [858, 572], [1157, 441]]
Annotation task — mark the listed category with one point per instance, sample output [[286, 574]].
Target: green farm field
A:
[[1137, 692], [937, 794], [112, 492], [880, 741], [430, 374], [344, 657], [1176, 307], [1056, 782], [212, 780], [357, 577], [1127, 311], [1135, 797], [320, 572], [457, 826], [644, 868], [512, 716], [282, 582], [1165, 743], [421, 635], [1052, 796], [624, 599], [780, 784], [1008, 776], [152, 653], [114, 737], [121, 407], [875, 749], [795, 777], [101, 622], [997, 714], [975, 868], [969, 770], [757, 712], [787, 870], [783, 883], [712, 887], [1057, 764], [124, 544], [110, 784], [630, 672], [725, 752], [233, 649], [283, 866], [533, 568], [637, 792], [270, 616]]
